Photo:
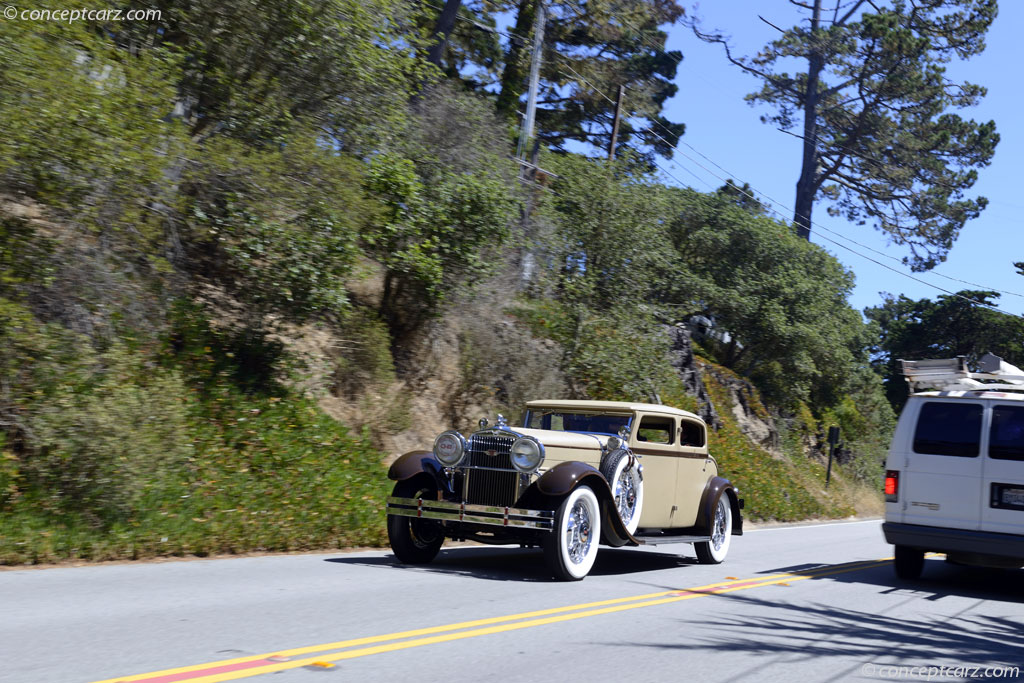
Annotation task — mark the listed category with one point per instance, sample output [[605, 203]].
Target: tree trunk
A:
[[445, 25], [513, 79], [806, 185]]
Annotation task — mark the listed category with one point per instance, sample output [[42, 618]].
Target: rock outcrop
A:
[[686, 365], [747, 410], [751, 416]]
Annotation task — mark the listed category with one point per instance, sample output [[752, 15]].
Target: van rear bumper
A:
[[943, 540]]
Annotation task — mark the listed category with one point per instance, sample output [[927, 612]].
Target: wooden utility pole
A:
[[615, 125], [833, 439], [526, 134], [529, 146]]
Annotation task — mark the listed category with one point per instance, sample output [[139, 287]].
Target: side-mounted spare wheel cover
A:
[[565, 477], [625, 478]]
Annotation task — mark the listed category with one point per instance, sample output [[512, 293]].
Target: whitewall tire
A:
[[571, 548], [715, 550]]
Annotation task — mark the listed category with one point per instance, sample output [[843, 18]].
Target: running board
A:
[[665, 540]]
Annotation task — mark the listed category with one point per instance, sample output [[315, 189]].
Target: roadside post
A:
[[833, 439]]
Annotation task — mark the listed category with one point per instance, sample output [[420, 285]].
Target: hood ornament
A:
[[499, 422]]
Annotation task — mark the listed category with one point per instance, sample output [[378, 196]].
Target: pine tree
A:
[[881, 139]]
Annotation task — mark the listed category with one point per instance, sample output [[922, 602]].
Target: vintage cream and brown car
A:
[[575, 474]]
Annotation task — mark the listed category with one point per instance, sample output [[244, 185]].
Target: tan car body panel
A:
[[675, 476]]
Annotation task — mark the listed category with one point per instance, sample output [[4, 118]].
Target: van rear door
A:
[[1003, 489], [942, 478]]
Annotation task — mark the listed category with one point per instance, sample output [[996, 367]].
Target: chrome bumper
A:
[[467, 512]]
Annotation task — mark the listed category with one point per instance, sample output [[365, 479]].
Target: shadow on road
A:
[[523, 564], [802, 631], [773, 627], [939, 579]]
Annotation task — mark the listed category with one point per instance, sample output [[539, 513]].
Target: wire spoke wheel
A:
[[571, 548], [627, 483], [714, 550]]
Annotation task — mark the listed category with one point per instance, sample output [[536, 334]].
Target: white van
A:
[[954, 480]]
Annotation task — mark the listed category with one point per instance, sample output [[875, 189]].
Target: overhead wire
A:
[[838, 234], [868, 258], [664, 170], [775, 202], [772, 202]]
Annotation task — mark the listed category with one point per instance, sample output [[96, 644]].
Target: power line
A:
[[849, 239], [602, 94], [844, 148], [774, 202], [868, 258]]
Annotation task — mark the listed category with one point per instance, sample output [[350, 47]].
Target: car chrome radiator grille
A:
[[487, 486]]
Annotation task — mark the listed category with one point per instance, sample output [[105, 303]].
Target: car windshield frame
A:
[[578, 421]]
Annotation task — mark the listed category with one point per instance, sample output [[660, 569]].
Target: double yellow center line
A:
[[281, 660]]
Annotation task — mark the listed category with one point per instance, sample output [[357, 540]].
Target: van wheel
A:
[[909, 562]]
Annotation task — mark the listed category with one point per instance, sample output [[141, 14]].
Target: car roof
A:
[[613, 406], [1001, 395]]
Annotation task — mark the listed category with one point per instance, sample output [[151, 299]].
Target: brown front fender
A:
[[419, 462], [561, 479], [715, 489]]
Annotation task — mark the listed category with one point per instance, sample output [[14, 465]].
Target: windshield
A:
[[566, 421]]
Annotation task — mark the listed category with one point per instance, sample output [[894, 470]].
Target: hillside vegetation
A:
[[250, 253]]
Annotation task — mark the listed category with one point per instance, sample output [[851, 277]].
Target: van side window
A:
[[1006, 440], [945, 428]]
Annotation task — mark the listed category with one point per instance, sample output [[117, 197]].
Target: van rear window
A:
[[945, 428], [1006, 439]]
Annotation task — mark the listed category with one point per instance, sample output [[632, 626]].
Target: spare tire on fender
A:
[[622, 471]]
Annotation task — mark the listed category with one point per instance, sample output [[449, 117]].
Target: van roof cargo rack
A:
[[952, 374]]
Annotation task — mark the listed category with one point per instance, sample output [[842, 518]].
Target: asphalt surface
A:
[[798, 603]]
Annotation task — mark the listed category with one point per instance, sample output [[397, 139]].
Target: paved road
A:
[[812, 603]]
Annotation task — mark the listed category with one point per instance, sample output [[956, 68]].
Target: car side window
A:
[[691, 434], [947, 428], [1006, 437], [654, 429]]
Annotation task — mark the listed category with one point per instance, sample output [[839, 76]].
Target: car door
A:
[[942, 478], [1002, 489], [691, 471], [654, 440]]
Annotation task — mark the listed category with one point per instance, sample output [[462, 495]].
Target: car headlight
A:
[[449, 448], [614, 443], [527, 454]]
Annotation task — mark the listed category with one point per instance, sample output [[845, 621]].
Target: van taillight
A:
[[892, 485]]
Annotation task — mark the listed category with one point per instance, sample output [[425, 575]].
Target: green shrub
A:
[[605, 356], [262, 473], [98, 445], [115, 456], [776, 489]]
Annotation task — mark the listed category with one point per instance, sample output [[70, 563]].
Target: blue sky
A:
[[728, 132]]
